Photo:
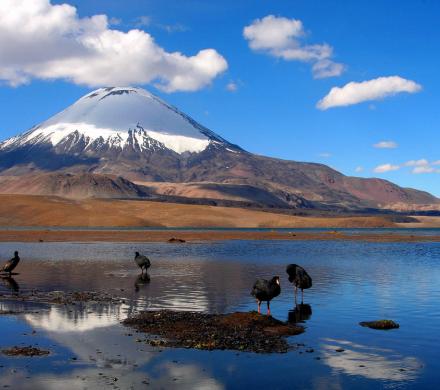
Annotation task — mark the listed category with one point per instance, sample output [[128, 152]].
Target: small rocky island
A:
[[250, 332]]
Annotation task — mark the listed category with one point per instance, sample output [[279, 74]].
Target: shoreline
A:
[[42, 236]]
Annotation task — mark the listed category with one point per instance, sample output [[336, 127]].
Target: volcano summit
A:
[[132, 134], [119, 119]]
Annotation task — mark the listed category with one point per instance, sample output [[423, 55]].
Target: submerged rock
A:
[[250, 332], [175, 240], [380, 324]]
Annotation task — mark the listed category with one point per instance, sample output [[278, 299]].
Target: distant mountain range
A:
[[128, 143]]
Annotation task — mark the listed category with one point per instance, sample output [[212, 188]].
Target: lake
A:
[[352, 282]]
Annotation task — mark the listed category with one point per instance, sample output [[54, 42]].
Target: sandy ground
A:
[[27, 210], [41, 211]]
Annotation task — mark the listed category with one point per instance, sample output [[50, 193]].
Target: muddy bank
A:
[[200, 236], [249, 332], [62, 298]]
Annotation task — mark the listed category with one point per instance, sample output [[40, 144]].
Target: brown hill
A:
[[79, 186]]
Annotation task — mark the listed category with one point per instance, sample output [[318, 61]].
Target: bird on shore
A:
[[142, 261], [266, 290], [300, 278], [11, 264]]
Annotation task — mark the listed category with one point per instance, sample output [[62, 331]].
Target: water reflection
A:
[[354, 281], [10, 283], [65, 319], [301, 313], [369, 362], [141, 281], [165, 376]]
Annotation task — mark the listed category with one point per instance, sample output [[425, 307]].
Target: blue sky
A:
[[273, 109]]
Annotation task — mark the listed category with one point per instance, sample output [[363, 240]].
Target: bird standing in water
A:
[[266, 290], [11, 264], [300, 278], [142, 261]]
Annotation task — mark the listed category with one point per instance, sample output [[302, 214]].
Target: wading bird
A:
[[11, 264], [142, 261], [300, 278], [265, 290]]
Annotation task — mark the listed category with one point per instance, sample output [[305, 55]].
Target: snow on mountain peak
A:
[[113, 115]]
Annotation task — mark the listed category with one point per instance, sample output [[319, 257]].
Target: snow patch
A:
[[111, 114]]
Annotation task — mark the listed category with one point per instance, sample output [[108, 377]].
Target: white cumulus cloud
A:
[[354, 92], [386, 168], [423, 169], [417, 166], [386, 145], [39, 40], [417, 163], [282, 38]]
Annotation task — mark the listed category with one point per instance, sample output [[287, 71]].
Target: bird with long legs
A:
[[11, 264], [300, 279], [266, 290], [142, 261]]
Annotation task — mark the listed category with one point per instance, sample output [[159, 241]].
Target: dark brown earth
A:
[[25, 351], [251, 332], [200, 236], [62, 297]]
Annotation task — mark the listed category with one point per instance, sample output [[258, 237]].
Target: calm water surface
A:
[[353, 282]]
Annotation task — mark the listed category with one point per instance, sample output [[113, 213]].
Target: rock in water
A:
[[380, 324]]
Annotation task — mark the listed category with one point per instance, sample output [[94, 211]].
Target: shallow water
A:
[[352, 282]]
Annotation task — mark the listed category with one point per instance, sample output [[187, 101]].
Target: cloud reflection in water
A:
[[369, 362]]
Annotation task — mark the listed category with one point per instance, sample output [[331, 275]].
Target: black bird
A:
[[299, 277], [11, 264], [142, 261], [265, 290]]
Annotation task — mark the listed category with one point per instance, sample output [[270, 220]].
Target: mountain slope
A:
[[80, 186], [130, 133]]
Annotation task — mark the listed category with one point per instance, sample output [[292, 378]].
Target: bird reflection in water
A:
[[141, 281], [10, 283], [302, 312]]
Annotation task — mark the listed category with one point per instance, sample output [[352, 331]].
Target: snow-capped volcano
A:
[[113, 140], [117, 118]]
